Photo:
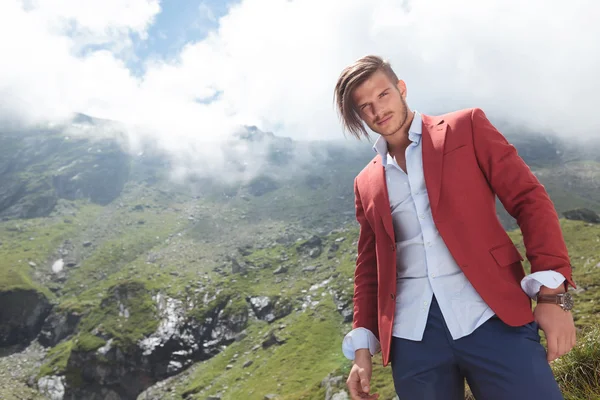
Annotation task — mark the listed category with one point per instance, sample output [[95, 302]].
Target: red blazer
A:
[[466, 163]]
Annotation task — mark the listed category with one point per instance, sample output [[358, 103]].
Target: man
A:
[[440, 288]]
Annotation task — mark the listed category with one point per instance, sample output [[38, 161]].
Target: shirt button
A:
[[433, 275], [421, 216]]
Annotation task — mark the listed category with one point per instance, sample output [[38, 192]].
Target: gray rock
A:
[[181, 338], [582, 214], [57, 327], [280, 270], [21, 316], [262, 185], [271, 339], [270, 308], [333, 384], [312, 247], [53, 387], [341, 395]]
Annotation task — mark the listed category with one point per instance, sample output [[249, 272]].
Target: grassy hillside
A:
[[215, 247], [312, 349]]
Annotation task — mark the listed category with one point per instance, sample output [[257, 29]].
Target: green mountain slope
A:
[[117, 282]]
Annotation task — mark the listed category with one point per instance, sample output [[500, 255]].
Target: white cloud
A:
[[274, 64]]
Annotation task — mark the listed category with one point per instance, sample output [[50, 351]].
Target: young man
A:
[[440, 288]]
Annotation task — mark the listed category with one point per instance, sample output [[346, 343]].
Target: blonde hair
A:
[[352, 76]]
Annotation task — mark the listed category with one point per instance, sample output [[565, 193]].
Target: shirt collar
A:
[[414, 134]]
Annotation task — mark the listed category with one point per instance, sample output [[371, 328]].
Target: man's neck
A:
[[399, 141]]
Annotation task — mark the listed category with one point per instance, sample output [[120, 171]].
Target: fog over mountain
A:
[[273, 64]]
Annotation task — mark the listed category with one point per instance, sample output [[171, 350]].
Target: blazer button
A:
[[392, 295], [393, 247]]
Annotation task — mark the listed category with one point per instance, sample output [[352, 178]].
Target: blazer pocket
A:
[[506, 254], [455, 148]]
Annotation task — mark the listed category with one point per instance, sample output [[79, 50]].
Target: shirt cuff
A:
[[360, 338], [532, 283]]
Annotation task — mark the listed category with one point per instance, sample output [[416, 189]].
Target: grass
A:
[[35, 241], [57, 359], [117, 275], [578, 372], [311, 350], [583, 244], [298, 374], [309, 353], [127, 313]]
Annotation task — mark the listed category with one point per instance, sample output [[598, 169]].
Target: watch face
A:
[[568, 301]]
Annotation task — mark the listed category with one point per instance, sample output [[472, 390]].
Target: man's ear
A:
[[401, 85]]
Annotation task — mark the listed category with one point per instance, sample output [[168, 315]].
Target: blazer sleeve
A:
[[365, 273], [523, 197]]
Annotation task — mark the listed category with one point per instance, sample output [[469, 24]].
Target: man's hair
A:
[[352, 76]]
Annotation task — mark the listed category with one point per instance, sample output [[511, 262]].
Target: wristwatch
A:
[[564, 300]]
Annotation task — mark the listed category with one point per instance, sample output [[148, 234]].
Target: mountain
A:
[[118, 282]]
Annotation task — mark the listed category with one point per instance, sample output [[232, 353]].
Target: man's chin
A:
[[388, 132]]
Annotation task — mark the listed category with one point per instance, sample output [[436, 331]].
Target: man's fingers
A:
[[353, 387], [364, 380], [552, 353], [354, 384], [566, 344]]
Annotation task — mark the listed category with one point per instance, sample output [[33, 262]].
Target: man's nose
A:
[[377, 112]]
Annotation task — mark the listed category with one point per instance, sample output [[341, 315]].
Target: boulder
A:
[[582, 214], [22, 314]]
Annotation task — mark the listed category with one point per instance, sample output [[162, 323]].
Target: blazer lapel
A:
[[381, 199], [434, 139]]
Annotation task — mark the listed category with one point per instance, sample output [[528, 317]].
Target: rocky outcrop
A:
[[334, 387], [262, 185], [58, 326], [52, 387], [188, 332], [582, 214], [270, 308], [311, 248], [99, 176], [344, 305], [22, 313]]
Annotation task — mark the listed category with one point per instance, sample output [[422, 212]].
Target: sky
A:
[[189, 72]]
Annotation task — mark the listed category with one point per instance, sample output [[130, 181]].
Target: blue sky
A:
[[179, 22]]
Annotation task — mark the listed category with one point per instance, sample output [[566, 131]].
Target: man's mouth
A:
[[383, 121]]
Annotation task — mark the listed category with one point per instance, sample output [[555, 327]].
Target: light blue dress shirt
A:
[[425, 266]]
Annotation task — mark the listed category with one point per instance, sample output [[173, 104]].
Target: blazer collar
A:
[[433, 136]]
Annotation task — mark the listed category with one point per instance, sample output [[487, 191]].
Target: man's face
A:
[[381, 104]]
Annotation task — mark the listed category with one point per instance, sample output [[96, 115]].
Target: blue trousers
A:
[[499, 362]]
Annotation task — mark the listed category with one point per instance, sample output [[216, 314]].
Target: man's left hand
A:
[[558, 327]]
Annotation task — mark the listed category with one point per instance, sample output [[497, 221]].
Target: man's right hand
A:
[[359, 380]]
